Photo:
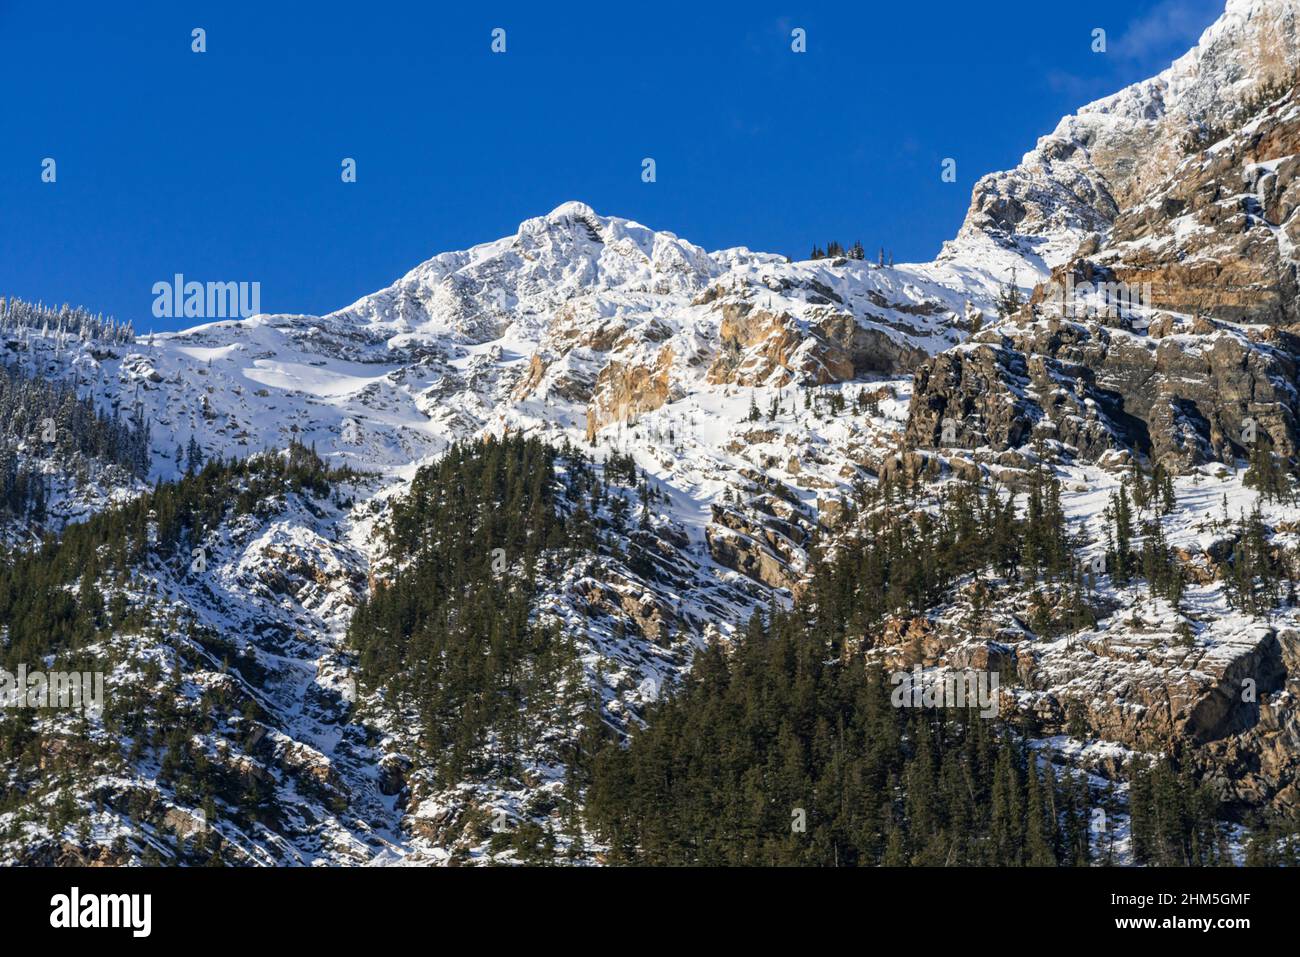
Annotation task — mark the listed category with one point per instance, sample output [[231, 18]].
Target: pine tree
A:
[[1009, 298], [193, 456]]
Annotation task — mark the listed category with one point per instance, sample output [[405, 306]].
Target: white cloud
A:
[[1167, 30]]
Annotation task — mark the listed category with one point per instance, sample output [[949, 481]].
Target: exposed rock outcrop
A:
[[1181, 399]]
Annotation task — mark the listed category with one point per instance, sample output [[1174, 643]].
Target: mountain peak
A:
[[1112, 153], [573, 209]]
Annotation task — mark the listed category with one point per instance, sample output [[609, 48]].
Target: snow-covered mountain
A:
[[757, 396], [576, 322], [1107, 157]]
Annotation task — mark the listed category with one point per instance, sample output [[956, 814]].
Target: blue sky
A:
[[225, 165]]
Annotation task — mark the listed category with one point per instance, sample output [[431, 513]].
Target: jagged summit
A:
[[599, 317], [1109, 155], [573, 209]]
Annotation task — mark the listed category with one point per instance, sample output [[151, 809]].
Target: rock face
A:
[[1215, 237], [625, 390], [1112, 155], [1181, 399], [765, 547], [1225, 701], [761, 347], [1232, 712], [1139, 688], [1179, 195], [1262, 764]]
